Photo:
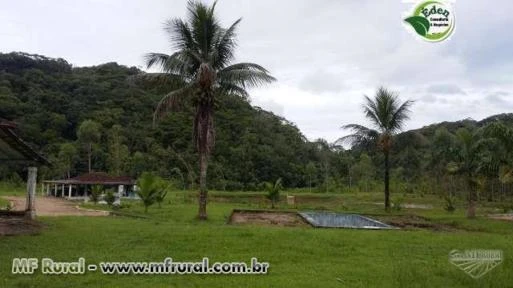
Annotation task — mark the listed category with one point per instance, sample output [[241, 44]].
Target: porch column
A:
[[62, 190], [55, 190], [30, 211], [69, 191]]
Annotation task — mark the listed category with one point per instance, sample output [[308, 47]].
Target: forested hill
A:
[[452, 127], [50, 100], [62, 109]]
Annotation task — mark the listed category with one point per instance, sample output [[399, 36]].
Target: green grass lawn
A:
[[298, 257]]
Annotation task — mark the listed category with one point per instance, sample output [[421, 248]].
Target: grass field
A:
[[298, 257]]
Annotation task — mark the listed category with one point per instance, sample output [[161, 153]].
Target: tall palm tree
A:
[[387, 115], [201, 66]]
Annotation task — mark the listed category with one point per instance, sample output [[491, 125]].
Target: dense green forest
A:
[[104, 113]]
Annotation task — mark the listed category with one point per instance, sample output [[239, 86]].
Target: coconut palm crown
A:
[[388, 115]]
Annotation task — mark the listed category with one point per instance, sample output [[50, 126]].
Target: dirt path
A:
[[52, 206]]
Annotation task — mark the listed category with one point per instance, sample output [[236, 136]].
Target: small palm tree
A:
[[148, 189], [273, 191], [387, 115], [96, 192], [201, 66]]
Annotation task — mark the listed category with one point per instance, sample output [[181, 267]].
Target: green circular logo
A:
[[433, 21]]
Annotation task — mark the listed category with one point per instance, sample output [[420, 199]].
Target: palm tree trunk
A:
[[471, 210], [387, 181], [202, 213], [89, 152]]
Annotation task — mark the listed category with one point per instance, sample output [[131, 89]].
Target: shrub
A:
[[96, 192], [161, 193], [450, 202], [398, 203], [109, 198]]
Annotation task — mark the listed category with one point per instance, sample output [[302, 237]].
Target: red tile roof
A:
[[102, 178]]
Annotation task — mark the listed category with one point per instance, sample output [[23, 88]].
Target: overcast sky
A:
[[326, 54]]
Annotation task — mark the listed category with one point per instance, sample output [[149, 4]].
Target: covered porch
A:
[[79, 188]]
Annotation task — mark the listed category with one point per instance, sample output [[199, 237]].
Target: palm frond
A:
[[204, 25], [361, 135], [400, 115], [385, 111], [174, 80], [371, 111], [244, 75], [172, 101], [232, 89], [180, 63], [224, 46]]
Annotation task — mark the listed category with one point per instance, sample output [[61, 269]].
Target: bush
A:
[[161, 194], [507, 207], [96, 192], [398, 203], [109, 198], [450, 203], [15, 180], [234, 186]]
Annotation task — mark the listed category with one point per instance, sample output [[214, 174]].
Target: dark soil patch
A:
[[267, 218], [413, 222], [16, 225]]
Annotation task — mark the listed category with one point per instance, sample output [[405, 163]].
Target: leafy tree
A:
[[504, 134], [89, 134], [202, 65], [387, 115], [68, 156], [310, 170], [364, 170], [273, 191], [117, 158]]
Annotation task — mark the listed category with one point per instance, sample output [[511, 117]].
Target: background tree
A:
[[364, 171], [311, 171], [201, 65], [117, 158], [88, 134], [470, 146], [68, 156], [387, 115]]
